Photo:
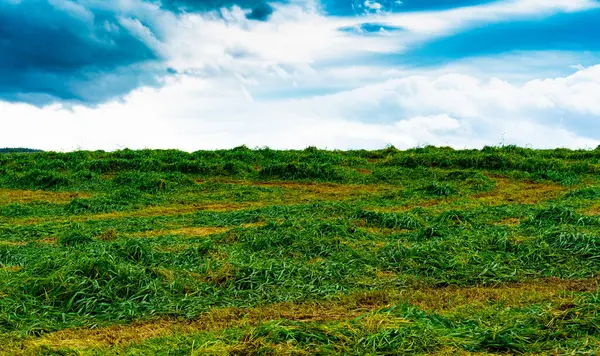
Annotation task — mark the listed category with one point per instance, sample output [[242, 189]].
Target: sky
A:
[[288, 74]]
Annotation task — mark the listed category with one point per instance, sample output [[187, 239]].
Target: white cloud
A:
[[194, 113], [444, 22], [299, 44]]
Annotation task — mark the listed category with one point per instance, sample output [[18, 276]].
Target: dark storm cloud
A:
[[83, 50], [69, 51], [259, 10], [362, 7]]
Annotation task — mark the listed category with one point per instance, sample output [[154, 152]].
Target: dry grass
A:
[[519, 239], [48, 240], [515, 294], [145, 212], [8, 196], [10, 268], [186, 231], [348, 307], [506, 191], [508, 222], [196, 231], [300, 191], [509, 191], [593, 210], [12, 243], [384, 231]]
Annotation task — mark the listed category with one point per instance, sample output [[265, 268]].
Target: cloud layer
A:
[[457, 110], [288, 74], [83, 51]]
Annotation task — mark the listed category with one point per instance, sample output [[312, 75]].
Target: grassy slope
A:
[[300, 252]]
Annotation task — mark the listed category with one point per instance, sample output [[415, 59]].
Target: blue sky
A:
[[191, 74]]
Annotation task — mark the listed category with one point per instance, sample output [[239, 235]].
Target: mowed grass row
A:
[[300, 252]]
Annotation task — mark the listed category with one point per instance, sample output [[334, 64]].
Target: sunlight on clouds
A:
[[299, 79], [193, 113]]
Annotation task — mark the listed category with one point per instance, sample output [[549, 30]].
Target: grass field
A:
[[425, 251]]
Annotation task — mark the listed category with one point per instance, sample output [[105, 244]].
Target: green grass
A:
[[425, 251]]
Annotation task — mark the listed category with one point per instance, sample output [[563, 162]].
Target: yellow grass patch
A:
[[347, 308], [12, 243], [48, 240], [384, 231], [193, 231], [508, 191], [218, 319], [315, 261], [10, 268], [187, 231], [508, 222], [8, 196], [145, 212], [377, 322], [592, 210], [386, 275], [445, 299], [166, 273], [300, 191], [520, 238], [167, 210]]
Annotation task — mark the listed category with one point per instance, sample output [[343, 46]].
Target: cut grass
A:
[[426, 251], [145, 212], [8, 196], [10, 268], [362, 306], [509, 191], [196, 231]]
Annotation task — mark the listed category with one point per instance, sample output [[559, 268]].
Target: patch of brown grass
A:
[[10, 268], [12, 243], [304, 191], [384, 231], [217, 319], [48, 240], [315, 261], [593, 210], [196, 231], [514, 294], [347, 308], [8, 196], [519, 239], [508, 222], [510, 191], [187, 231], [506, 191], [145, 212], [108, 235], [169, 210]]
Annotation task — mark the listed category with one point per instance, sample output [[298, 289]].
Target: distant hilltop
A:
[[18, 150]]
